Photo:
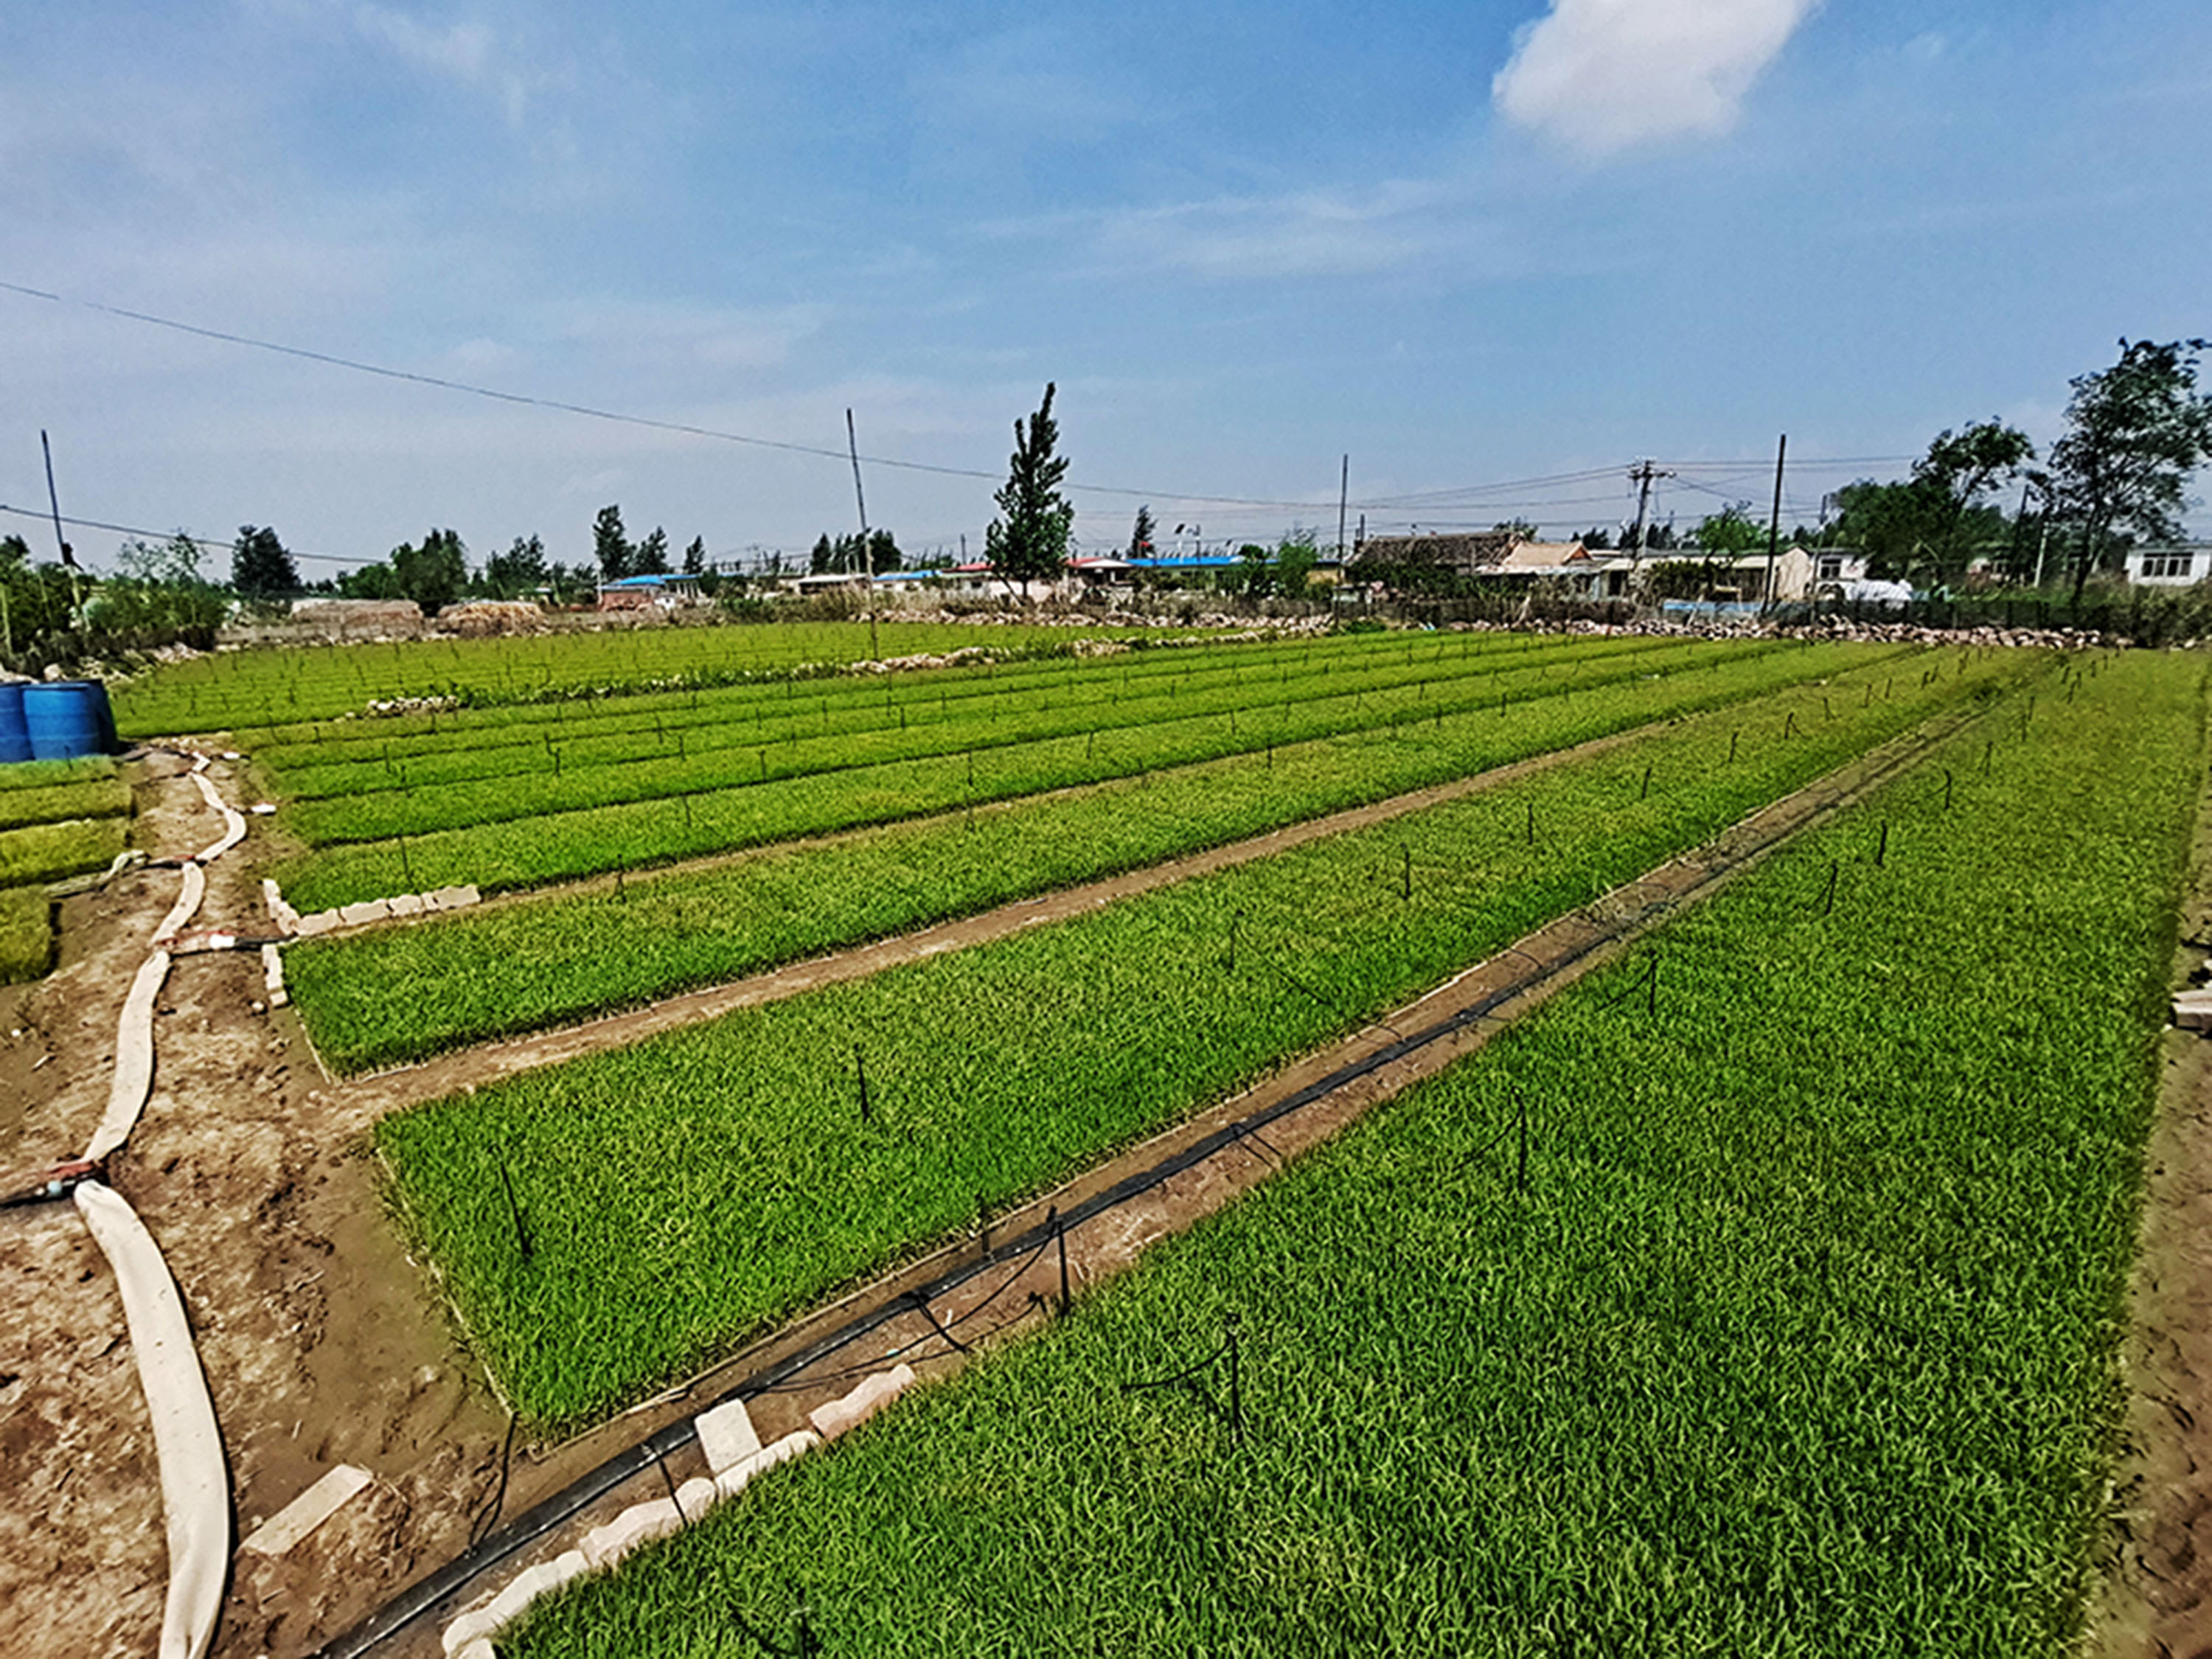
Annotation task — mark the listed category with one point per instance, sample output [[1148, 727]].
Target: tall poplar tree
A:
[[1029, 544]]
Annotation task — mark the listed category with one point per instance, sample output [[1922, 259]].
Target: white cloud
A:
[[460, 49], [1601, 76], [1307, 234]]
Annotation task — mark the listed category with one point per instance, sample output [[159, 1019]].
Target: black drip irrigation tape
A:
[[533, 1523]]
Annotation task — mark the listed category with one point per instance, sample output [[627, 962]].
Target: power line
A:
[[1456, 495], [682, 427], [164, 535]]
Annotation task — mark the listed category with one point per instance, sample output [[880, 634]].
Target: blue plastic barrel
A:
[[68, 719], [15, 735]]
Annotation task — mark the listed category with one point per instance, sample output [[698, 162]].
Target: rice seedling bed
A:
[[97, 797], [994, 704], [393, 996], [54, 774], [665, 761], [235, 690], [671, 1199], [1799, 1337], [48, 852], [27, 934], [810, 791]]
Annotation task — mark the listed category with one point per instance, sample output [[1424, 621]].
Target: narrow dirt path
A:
[[2154, 1599], [364, 1100], [935, 1312]]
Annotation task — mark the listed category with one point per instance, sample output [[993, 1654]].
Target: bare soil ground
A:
[[2155, 1599], [320, 1342]]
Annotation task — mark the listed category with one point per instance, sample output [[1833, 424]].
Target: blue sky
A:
[[1469, 244]]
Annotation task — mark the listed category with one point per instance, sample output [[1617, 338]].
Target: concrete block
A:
[[843, 1415], [406, 904], [726, 1435], [320, 922], [521, 1590], [453, 898], [2192, 1011], [272, 970], [353, 915], [472, 1630], [568, 1566], [696, 1497], [732, 1480], [640, 1523], [307, 1511]]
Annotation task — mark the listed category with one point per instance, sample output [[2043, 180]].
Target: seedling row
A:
[[1792, 1331], [806, 791], [399, 995], [672, 1198], [230, 691], [994, 704]]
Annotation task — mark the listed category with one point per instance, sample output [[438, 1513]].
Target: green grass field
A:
[[1800, 1339], [57, 818], [679, 1195], [619, 815], [243, 690], [398, 994]]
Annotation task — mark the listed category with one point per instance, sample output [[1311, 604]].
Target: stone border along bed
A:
[[633, 1496], [194, 1476]]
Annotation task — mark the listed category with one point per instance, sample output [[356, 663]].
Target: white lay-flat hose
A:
[[195, 1484], [233, 821], [134, 1058]]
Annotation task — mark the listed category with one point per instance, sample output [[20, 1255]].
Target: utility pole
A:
[[1643, 473], [1343, 489], [68, 555], [1774, 525], [867, 556]]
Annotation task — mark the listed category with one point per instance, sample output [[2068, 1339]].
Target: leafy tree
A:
[[175, 563], [433, 573], [1597, 538], [1953, 475], [260, 569], [611, 546], [1732, 530], [158, 595], [1680, 578], [847, 552], [522, 569], [1140, 538], [1031, 542], [1895, 525], [1294, 567], [571, 584], [2134, 432], [694, 558], [1522, 527], [371, 581], [651, 558]]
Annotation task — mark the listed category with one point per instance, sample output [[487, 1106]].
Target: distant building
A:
[[2168, 567], [644, 592]]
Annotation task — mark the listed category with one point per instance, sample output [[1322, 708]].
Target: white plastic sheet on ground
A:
[[195, 1484]]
